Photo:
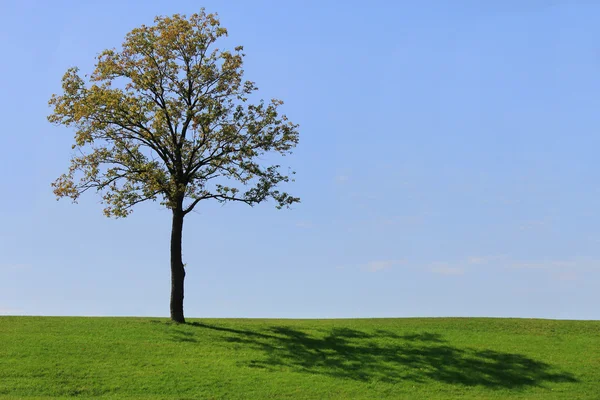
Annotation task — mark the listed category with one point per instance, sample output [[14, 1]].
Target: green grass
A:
[[436, 358]]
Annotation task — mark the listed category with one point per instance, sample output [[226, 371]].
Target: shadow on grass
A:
[[384, 356]]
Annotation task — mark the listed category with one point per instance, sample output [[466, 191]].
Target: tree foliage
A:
[[168, 118]]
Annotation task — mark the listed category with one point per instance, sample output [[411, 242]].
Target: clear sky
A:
[[448, 166]]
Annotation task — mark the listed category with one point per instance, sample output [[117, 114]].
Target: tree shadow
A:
[[386, 356]]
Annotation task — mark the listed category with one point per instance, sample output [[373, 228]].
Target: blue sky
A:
[[448, 166]]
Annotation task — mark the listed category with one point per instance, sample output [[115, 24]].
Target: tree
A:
[[168, 118]]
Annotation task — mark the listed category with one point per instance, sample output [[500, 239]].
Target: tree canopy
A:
[[168, 117]]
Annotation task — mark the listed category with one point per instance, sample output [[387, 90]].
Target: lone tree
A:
[[168, 118]]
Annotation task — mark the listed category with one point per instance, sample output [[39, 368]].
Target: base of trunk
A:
[[178, 318]]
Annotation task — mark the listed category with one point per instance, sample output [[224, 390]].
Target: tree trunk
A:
[[177, 270]]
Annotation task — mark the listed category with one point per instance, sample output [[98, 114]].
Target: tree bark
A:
[[177, 269]]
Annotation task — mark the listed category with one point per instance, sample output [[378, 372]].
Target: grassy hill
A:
[[435, 358]]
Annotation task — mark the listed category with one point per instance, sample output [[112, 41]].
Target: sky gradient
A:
[[447, 166]]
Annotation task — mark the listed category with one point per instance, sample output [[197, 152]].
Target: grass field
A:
[[436, 358]]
